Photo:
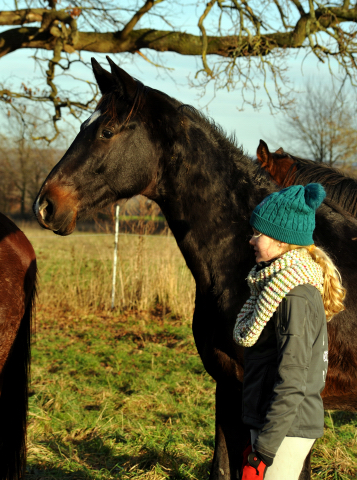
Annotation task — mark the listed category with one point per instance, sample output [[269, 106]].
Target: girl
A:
[[294, 287]]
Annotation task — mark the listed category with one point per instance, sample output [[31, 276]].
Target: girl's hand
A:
[[255, 469]]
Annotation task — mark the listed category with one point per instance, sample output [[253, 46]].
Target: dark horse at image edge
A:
[[18, 290], [141, 141]]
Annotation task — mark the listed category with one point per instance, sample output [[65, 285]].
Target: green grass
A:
[[335, 454], [118, 398], [128, 398]]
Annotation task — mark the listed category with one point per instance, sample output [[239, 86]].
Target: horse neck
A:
[[207, 196], [341, 190]]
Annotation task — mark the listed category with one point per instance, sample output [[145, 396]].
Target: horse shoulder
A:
[[17, 280]]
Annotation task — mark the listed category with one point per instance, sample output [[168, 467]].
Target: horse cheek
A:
[[136, 167]]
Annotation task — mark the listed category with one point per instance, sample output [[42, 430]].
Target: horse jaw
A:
[[67, 229]]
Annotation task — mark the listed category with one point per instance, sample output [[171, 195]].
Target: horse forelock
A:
[[107, 105]]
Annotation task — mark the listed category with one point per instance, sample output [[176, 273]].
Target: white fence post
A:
[[117, 208]]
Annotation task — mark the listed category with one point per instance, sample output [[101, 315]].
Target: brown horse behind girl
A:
[[287, 170], [17, 290]]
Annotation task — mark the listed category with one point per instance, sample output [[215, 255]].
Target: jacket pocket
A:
[[292, 316]]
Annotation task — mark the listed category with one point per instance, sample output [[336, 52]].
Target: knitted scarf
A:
[[268, 287]]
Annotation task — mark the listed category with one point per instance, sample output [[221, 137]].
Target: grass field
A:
[[123, 394], [76, 273]]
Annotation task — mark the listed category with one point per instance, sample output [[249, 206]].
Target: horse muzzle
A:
[[56, 210]]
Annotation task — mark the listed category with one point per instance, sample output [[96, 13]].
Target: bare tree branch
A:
[[281, 13], [204, 37], [299, 7], [243, 38], [322, 126], [180, 42], [132, 23], [19, 17]]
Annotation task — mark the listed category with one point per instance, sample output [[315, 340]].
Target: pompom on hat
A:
[[289, 215]]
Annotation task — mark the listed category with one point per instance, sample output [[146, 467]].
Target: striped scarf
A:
[[268, 287]]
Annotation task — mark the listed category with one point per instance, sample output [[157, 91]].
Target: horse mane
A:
[[208, 122], [340, 189], [230, 146]]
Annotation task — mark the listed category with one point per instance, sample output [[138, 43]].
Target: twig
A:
[[152, 63], [137, 16], [204, 37]]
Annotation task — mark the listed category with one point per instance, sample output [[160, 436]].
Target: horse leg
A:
[[306, 469], [15, 363], [14, 403], [231, 434]]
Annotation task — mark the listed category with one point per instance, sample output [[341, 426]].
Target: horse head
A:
[[277, 164], [114, 155]]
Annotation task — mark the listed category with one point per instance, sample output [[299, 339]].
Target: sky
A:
[[248, 125]]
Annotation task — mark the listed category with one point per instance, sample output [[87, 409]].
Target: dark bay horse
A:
[[286, 170], [141, 141], [17, 297]]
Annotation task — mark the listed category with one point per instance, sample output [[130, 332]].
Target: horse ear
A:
[[280, 151], [263, 153], [104, 79], [124, 81]]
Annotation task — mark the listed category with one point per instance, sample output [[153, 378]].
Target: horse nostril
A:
[[49, 208], [46, 209]]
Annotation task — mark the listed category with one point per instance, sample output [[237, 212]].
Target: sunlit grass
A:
[[119, 398], [76, 273]]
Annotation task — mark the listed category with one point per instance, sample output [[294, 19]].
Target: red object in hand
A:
[[246, 452], [255, 469]]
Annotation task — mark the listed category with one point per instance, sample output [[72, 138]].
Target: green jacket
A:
[[285, 372]]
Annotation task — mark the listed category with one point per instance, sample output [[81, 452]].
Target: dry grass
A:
[[76, 273]]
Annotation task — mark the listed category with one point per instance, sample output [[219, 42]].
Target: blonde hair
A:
[[333, 293]]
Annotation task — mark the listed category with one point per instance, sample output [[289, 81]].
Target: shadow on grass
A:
[[39, 472], [343, 418], [92, 459]]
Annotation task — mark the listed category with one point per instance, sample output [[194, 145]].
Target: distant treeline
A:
[[23, 169]]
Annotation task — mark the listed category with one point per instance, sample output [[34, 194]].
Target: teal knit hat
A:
[[289, 215]]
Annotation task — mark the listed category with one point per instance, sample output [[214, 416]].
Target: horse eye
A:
[[107, 133]]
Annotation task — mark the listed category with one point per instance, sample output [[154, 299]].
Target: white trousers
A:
[[289, 459]]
